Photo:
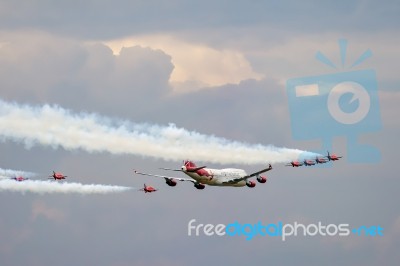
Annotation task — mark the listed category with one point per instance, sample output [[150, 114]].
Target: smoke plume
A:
[[57, 127], [44, 187]]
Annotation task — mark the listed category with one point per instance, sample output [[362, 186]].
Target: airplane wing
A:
[[235, 180], [261, 171], [170, 169], [188, 170], [168, 177]]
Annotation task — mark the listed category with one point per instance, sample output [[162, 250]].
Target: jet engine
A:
[[170, 182], [250, 183], [261, 179], [199, 186]]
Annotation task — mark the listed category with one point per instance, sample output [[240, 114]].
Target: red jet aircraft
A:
[[309, 162], [294, 164], [333, 157], [148, 189], [19, 178], [320, 160], [57, 176]]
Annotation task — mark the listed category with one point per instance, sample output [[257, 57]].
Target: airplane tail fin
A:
[[190, 164]]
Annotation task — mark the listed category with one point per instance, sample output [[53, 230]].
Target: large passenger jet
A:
[[201, 176]]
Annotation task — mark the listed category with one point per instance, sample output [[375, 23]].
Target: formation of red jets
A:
[[57, 176], [317, 160]]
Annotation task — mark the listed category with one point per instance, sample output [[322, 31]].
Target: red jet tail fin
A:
[[190, 164]]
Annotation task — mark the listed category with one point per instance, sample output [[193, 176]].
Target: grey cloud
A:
[[103, 19], [31, 66], [129, 83], [134, 85], [47, 69]]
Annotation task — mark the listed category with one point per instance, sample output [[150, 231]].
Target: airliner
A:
[[202, 176]]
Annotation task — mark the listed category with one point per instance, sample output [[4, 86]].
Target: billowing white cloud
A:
[[196, 65]]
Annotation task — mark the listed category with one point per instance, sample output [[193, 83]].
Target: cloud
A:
[[195, 65], [45, 62], [122, 18], [56, 69], [39, 208]]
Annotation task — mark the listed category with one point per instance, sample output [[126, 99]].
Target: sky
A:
[[218, 68]]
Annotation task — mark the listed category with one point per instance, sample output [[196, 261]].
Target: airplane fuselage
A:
[[216, 177], [202, 176]]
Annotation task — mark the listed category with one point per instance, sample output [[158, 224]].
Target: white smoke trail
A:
[[43, 187], [8, 173], [55, 127]]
